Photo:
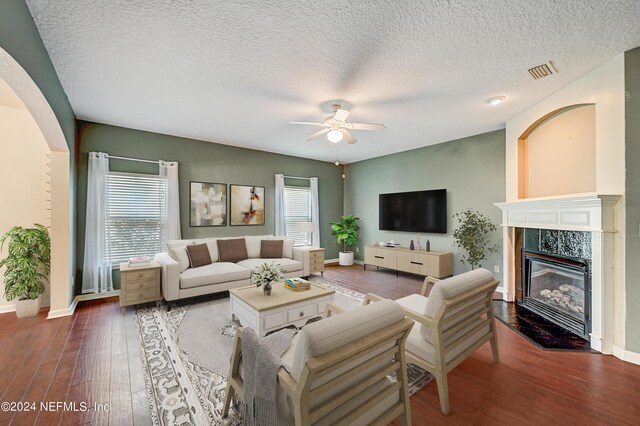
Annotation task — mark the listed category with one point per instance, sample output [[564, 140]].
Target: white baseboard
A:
[[66, 312], [5, 309], [336, 260], [59, 313], [359, 262], [625, 355]]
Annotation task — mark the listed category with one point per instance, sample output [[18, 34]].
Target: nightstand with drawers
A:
[[315, 259], [139, 284]]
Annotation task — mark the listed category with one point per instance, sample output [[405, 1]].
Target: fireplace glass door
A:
[[558, 289]]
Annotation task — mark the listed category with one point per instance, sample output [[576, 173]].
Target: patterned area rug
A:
[[185, 368]]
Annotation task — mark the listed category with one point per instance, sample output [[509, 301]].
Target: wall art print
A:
[[247, 205], [208, 204]]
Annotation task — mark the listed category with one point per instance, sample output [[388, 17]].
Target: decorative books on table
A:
[[139, 261], [297, 284]]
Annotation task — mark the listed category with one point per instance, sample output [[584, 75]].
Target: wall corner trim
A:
[[59, 313], [66, 312]]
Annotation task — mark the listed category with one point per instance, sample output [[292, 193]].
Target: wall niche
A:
[[557, 153]]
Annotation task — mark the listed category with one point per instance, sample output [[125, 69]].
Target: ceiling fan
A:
[[336, 126]]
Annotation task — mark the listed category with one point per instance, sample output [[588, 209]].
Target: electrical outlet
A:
[[357, 249], [496, 269]]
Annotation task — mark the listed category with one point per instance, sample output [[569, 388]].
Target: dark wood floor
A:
[[93, 357]]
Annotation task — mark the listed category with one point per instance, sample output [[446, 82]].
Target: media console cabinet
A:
[[438, 264]]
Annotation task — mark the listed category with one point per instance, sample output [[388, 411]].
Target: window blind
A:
[[298, 202], [136, 223]]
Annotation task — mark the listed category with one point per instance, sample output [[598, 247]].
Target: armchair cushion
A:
[[452, 287]]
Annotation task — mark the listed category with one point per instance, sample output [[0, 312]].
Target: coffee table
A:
[[283, 308]]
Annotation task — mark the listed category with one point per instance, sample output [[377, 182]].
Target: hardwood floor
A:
[[93, 357]]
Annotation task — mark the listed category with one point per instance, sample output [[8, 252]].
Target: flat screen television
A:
[[418, 211]]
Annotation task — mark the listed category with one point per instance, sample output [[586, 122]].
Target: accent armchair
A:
[[451, 323], [336, 369]]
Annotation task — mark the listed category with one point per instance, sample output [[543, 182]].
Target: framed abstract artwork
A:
[[207, 204], [247, 205]]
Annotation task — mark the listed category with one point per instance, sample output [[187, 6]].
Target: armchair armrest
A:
[[371, 297], [425, 285], [170, 276], [421, 318], [331, 309]]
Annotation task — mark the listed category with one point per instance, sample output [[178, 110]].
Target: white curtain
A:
[[315, 213], [281, 227], [170, 171], [96, 273]]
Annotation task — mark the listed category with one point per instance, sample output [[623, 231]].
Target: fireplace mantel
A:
[[582, 212], [591, 212]]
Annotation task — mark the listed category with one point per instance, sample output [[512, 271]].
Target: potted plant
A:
[[471, 236], [346, 230], [28, 264], [266, 274]]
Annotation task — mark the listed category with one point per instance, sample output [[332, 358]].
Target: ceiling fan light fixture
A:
[[496, 100], [335, 136]]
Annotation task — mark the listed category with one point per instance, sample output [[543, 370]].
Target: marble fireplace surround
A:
[[593, 213]]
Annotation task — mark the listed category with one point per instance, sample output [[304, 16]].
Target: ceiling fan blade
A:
[[307, 123], [348, 137], [318, 134], [364, 126], [341, 115]]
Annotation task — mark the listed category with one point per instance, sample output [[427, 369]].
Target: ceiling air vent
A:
[[543, 70]]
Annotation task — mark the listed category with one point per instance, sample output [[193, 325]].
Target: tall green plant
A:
[[472, 236], [346, 230], [28, 262]]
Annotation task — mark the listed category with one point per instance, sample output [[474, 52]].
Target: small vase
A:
[[428, 247], [411, 246], [267, 289]]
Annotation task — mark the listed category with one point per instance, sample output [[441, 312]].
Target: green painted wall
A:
[[471, 169], [632, 198], [19, 36], [208, 162]]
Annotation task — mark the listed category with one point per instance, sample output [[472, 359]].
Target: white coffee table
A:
[[283, 308]]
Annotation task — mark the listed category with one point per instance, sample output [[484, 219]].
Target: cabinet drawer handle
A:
[[379, 257], [301, 313], [416, 263]]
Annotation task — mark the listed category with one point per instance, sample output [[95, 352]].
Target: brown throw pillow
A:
[[198, 255], [271, 249], [233, 250]]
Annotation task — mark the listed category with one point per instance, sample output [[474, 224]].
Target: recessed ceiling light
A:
[[496, 100]]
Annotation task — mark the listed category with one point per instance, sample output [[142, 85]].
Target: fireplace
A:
[[557, 288]]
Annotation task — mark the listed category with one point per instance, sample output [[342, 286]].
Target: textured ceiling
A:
[[236, 72]]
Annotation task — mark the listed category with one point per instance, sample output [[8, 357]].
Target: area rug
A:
[[185, 355]]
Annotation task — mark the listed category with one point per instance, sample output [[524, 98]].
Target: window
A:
[[298, 202], [136, 220]]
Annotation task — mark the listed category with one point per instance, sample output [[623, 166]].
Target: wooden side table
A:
[[139, 284], [315, 259]]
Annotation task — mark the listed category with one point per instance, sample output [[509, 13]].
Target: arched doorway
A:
[[39, 123]]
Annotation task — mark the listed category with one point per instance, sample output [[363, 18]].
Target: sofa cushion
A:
[[287, 265], [215, 273], [198, 255], [253, 245], [212, 245], [177, 250], [271, 249], [232, 250], [287, 246]]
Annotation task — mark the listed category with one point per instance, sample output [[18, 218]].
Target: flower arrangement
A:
[[265, 274]]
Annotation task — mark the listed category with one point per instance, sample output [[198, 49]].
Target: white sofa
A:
[[179, 281]]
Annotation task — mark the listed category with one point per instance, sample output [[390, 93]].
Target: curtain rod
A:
[[296, 177], [134, 159]]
